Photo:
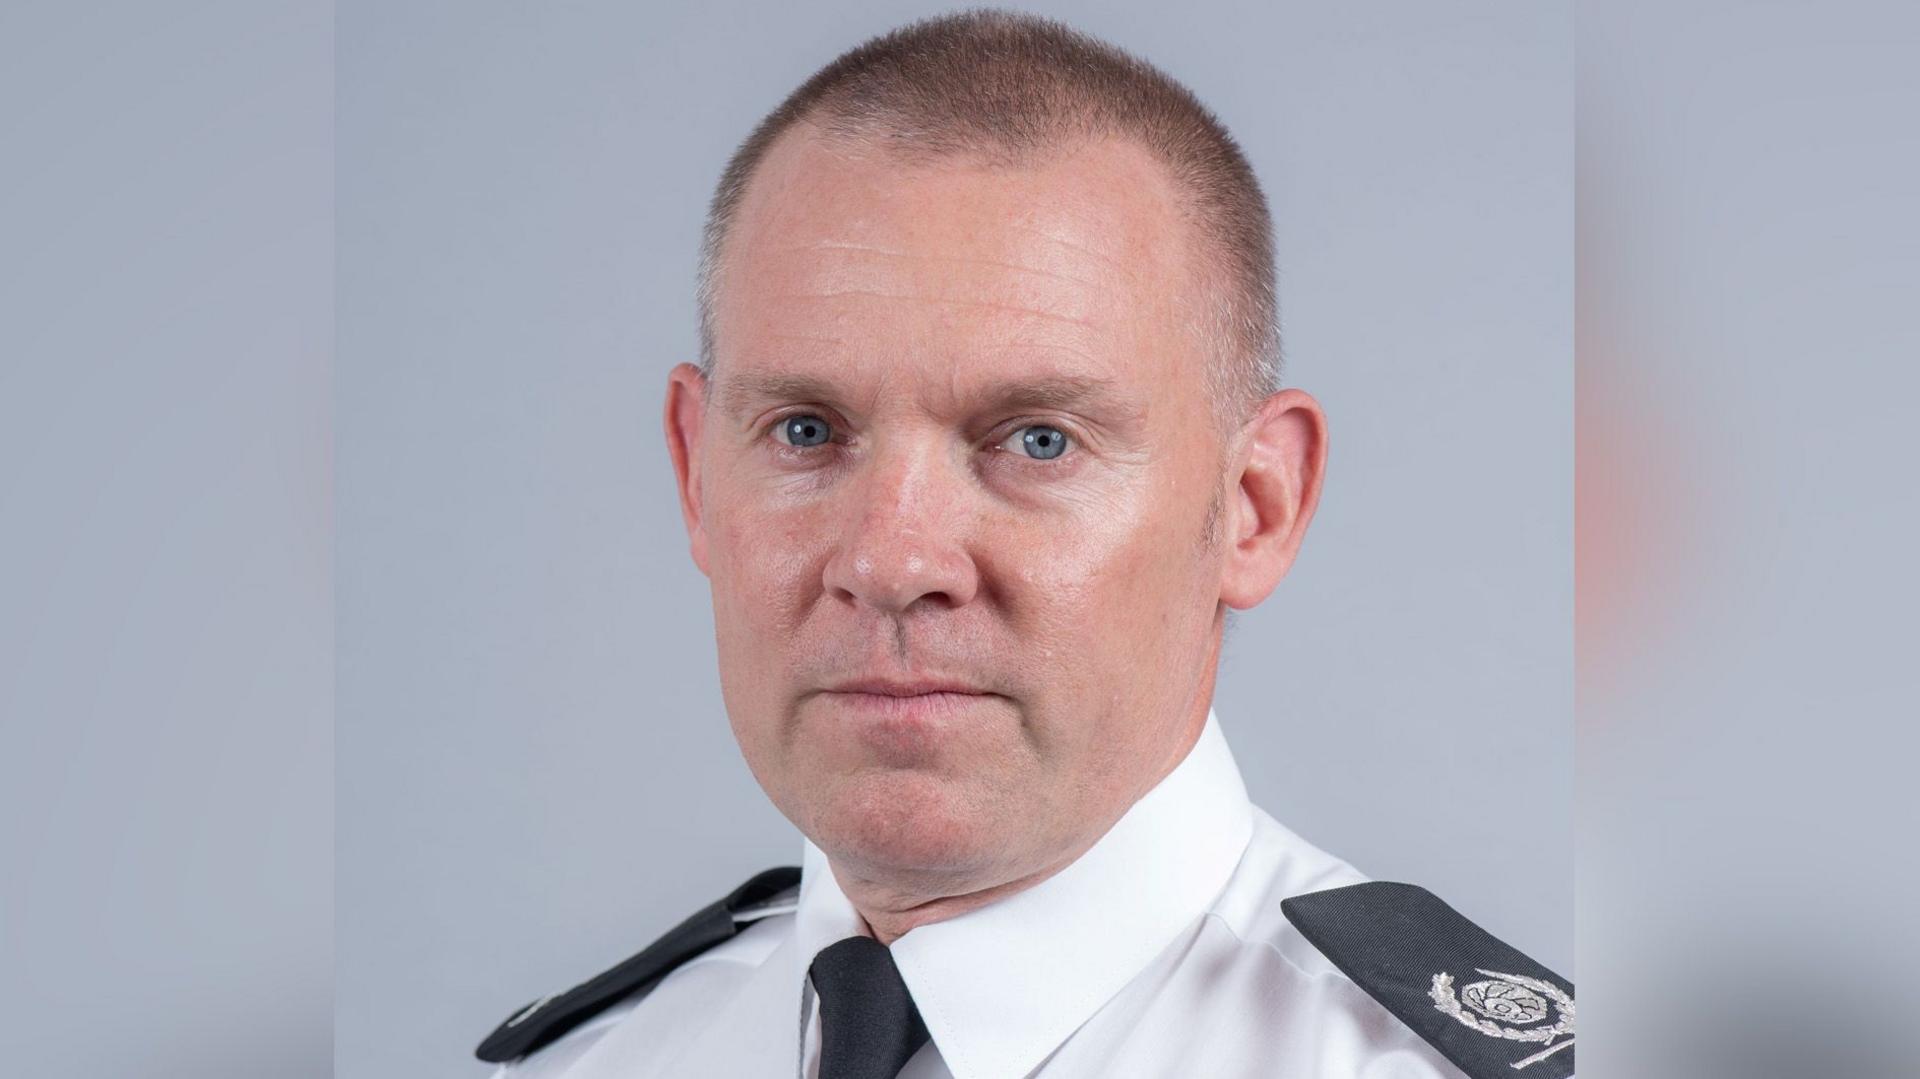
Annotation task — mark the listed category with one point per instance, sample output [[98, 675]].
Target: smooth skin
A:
[[921, 519]]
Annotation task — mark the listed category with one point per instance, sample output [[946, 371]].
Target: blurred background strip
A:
[[1749, 366], [166, 322]]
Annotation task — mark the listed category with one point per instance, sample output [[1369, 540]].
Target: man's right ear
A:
[[686, 409]]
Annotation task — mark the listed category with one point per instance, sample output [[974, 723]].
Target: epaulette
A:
[[1480, 1002], [550, 1017]]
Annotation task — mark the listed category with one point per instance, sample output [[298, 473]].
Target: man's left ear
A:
[[1279, 466]]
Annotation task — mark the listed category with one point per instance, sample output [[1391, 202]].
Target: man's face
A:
[[893, 483]]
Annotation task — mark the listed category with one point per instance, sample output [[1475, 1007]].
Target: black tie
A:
[[868, 1024]]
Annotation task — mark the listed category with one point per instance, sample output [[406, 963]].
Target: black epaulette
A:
[[1483, 1004], [551, 1016]]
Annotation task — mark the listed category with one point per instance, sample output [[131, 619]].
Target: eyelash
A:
[[788, 450]]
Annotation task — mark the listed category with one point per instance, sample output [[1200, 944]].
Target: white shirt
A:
[[1161, 951]]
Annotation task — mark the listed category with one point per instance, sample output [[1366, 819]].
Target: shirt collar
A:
[[1001, 986]]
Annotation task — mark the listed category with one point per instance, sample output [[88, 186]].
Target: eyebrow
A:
[[738, 395]]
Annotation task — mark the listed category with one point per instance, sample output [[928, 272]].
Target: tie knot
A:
[[855, 966], [869, 1025]]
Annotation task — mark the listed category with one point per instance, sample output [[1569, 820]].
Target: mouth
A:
[[901, 708], [897, 687]]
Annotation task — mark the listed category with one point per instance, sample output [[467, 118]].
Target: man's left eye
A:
[[1039, 441]]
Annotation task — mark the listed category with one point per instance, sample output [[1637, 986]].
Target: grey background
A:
[[1749, 260], [166, 618], [534, 776]]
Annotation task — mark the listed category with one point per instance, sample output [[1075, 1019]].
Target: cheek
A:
[[1112, 556], [762, 562], [764, 577], [1078, 587]]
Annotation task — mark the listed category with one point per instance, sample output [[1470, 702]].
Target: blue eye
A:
[[1040, 441], [804, 429]]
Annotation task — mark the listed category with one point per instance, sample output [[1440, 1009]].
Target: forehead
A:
[[1075, 266]]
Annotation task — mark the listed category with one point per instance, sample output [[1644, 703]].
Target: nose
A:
[[900, 542]]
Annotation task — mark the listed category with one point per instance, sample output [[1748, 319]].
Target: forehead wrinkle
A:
[[868, 249], [1119, 264], [1091, 324]]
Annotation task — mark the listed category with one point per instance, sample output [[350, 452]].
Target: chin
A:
[[903, 823]]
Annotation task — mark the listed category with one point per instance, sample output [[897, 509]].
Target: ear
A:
[[685, 412], [1278, 472]]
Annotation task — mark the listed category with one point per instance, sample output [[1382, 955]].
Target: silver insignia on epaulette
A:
[[1510, 998]]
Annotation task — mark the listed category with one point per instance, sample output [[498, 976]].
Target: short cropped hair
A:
[[1010, 88]]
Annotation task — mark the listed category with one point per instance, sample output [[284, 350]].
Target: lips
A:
[[903, 728], [887, 687]]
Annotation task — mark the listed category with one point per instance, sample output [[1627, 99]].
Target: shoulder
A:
[[564, 1024], [1407, 961], [1485, 1005]]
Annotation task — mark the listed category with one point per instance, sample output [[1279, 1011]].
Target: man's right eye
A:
[[803, 430]]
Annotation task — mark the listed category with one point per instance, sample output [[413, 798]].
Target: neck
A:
[[890, 913]]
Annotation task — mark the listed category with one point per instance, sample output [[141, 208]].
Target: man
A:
[[984, 445]]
